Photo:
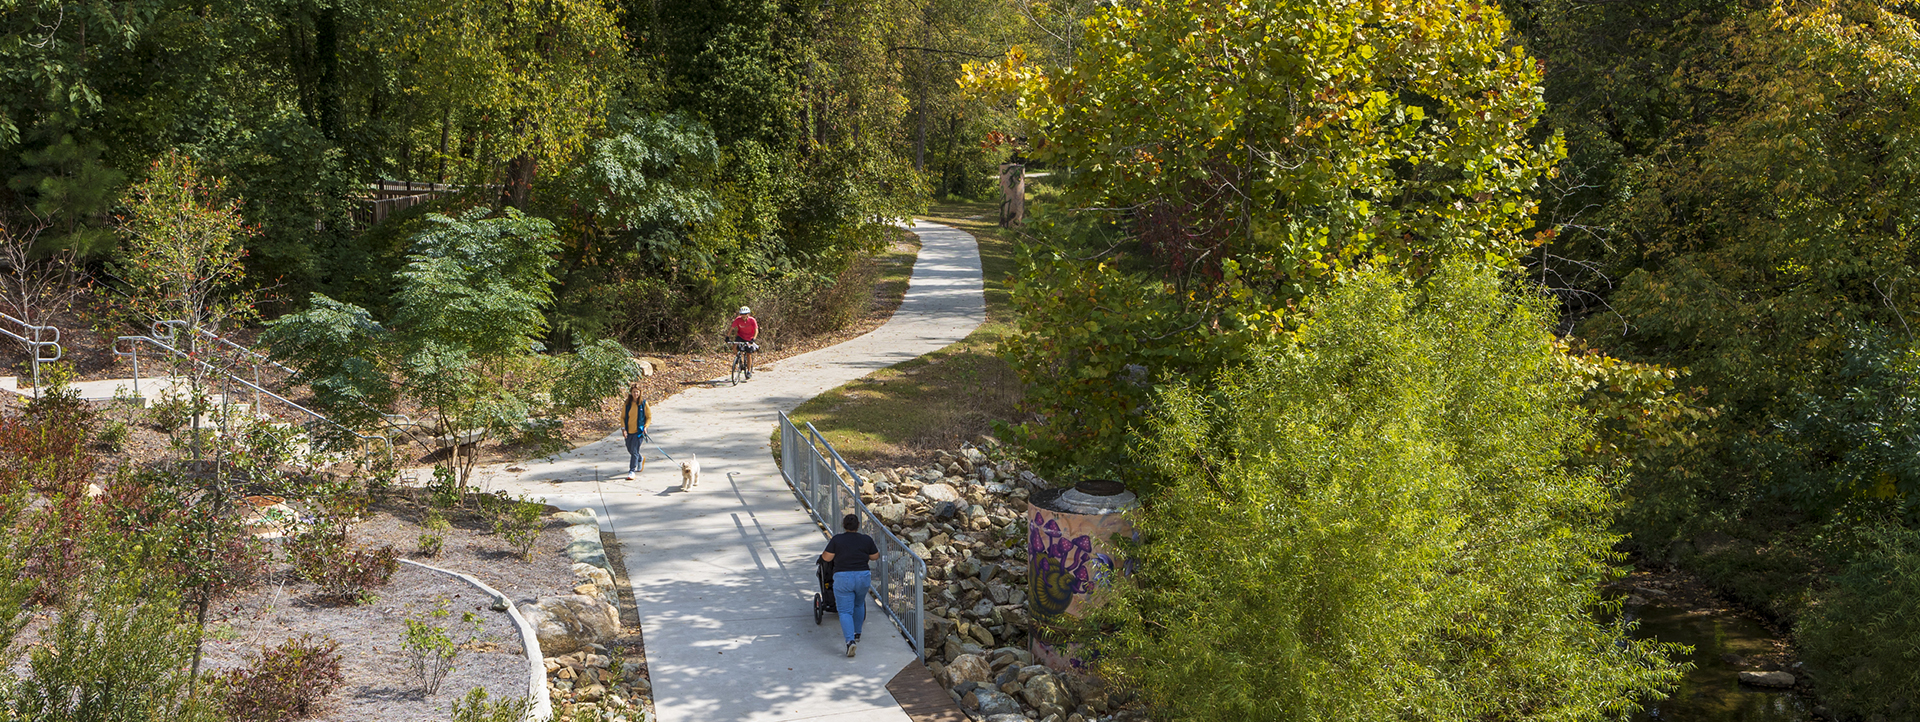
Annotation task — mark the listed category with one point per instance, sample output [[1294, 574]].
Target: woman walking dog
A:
[[633, 419]]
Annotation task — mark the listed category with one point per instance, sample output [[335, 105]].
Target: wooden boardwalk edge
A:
[[922, 698]]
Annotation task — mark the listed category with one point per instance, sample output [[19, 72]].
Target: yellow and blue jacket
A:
[[636, 416]]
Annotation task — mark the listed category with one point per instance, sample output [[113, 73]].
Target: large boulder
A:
[[990, 702], [583, 516], [593, 574], [969, 668], [891, 514], [571, 622], [1047, 695], [1778, 680], [936, 493]]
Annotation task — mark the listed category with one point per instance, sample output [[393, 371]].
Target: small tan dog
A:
[[690, 473]]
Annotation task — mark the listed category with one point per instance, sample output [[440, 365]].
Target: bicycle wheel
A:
[[739, 369]]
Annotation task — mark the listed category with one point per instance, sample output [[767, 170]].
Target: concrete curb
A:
[[536, 663]]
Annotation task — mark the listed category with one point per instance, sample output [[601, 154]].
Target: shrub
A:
[[801, 305], [443, 491], [598, 371], [431, 646], [170, 413], [113, 436], [46, 448], [207, 551], [340, 503], [475, 708], [117, 652], [54, 541], [1389, 526], [434, 539], [343, 572], [540, 436], [285, 682], [1861, 634], [518, 521]]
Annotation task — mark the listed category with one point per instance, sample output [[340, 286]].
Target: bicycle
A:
[[740, 371]]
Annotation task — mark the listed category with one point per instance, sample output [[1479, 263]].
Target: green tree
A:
[[1222, 160], [181, 258], [463, 345], [1865, 629], [806, 103], [1374, 519], [639, 203], [180, 266], [528, 83], [1759, 236]]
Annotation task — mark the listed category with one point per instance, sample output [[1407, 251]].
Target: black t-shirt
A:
[[850, 551]]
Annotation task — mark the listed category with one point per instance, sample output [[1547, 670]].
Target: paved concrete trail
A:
[[723, 576]]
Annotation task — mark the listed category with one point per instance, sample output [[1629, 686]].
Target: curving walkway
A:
[[723, 576]]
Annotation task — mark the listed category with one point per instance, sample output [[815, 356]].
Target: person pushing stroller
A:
[[849, 551]]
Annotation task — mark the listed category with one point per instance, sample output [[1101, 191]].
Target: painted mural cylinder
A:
[[1069, 556]]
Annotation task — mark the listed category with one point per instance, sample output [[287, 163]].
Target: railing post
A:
[[920, 612]]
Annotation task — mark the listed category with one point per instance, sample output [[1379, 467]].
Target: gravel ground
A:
[[380, 683], [379, 680]]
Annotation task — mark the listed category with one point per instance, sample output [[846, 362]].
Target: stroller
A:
[[823, 599]]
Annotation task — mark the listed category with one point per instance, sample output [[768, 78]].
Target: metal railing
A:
[[35, 337], [312, 420], [255, 360], [828, 487]]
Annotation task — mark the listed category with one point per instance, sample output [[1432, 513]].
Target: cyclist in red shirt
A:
[[745, 330]]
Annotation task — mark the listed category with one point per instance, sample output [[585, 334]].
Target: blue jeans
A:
[[850, 597], [633, 451]]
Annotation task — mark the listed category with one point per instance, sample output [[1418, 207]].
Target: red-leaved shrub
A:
[[343, 572], [285, 682]]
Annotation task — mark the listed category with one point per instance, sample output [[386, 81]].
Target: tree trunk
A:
[[920, 134], [440, 174], [199, 637], [519, 185], [327, 92]]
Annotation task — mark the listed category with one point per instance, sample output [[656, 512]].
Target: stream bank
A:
[[1727, 641]]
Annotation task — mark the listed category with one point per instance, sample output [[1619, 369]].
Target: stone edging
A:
[[584, 548], [542, 708]]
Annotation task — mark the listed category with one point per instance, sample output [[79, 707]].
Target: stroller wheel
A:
[[818, 608]]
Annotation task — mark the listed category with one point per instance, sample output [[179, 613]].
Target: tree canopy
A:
[[1222, 160], [1375, 518]]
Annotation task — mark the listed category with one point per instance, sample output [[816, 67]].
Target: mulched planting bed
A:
[[380, 683]]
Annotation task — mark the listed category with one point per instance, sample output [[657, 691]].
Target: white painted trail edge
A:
[[723, 575], [542, 708]]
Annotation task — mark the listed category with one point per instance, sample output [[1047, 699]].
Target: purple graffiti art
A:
[[1062, 566]]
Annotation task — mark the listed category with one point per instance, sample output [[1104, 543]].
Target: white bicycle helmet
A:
[[745, 311]]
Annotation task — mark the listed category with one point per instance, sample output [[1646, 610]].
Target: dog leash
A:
[[656, 445]]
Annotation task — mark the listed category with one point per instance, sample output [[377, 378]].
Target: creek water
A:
[[1712, 691]]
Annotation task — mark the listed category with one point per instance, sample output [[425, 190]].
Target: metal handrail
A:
[[313, 416], [397, 421], [258, 358], [791, 469], [37, 343]]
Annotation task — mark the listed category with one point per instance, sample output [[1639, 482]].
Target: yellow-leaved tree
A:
[[1219, 160], [519, 85]]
